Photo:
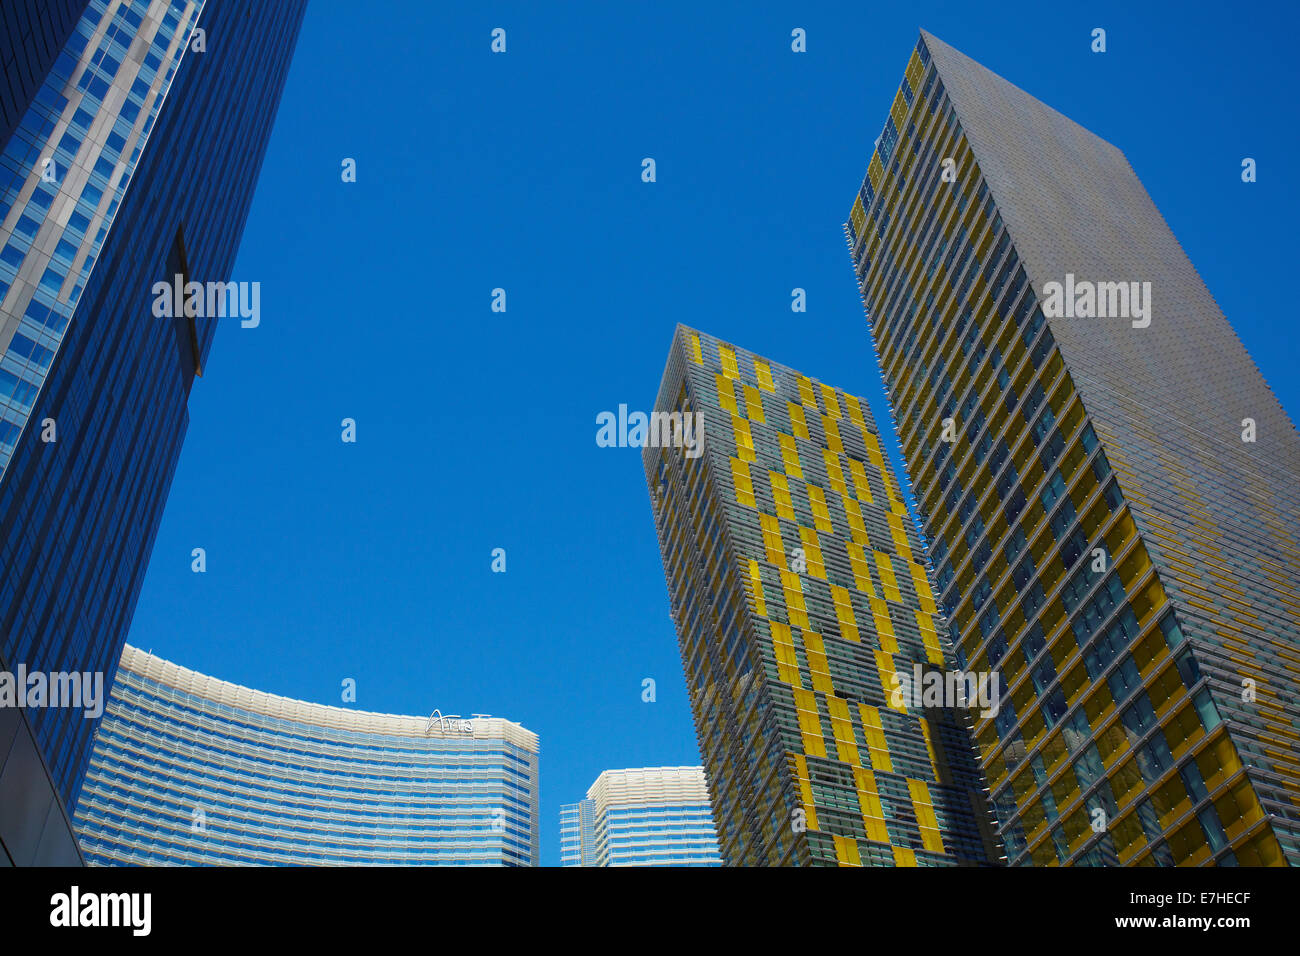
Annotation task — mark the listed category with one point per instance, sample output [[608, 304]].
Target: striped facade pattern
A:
[[798, 592], [653, 816], [1100, 532], [190, 770]]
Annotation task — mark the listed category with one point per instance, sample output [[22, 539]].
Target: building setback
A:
[[191, 770], [134, 160], [798, 593], [653, 816], [1108, 487]]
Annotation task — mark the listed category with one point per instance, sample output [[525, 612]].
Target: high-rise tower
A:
[[134, 162], [798, 593], [1109, 490], [650, 816]]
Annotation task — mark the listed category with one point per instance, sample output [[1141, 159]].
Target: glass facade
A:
[[190, 770], [33, 32], [798, 595], [1103, 536], [136, 159], [657, 816]]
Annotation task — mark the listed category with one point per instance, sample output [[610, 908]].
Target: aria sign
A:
[[452, 723]]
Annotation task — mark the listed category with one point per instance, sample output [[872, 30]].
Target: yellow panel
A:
[[915, 70], [729, 367], [844, 613], [846, 851], [806, 391], [846, 744], [781, 495], [925, 623], [812, 553], [772, 539], [904, 857], [726, 395], [861, 488], [828, 399], [901, 545], [809, 723], [696, 355], [925, 818], [790, 456], [805, 791], [875, 169], [744, 484], [818, 670], [821, 514], [898, 112], [922, 584], [798, 424], [884, 627], [834, 473], [887, 580], [792, 586], [878, 747], [855, 411], [787, 664], [885, 664], [861, 570], [857, 527], [744, 440], [832, 430], [864, 781], [756, 583], [763, 372], [753, 404], [858, 216]]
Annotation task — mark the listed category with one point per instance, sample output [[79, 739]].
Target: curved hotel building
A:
[[191, 770]]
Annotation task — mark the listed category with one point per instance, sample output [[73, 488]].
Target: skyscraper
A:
[[188, 769], [653, 816], [134, 162], [798, 595], [1108, 487]]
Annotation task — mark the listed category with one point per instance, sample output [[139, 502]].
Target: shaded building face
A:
[[135, 161], [798, 593], [1108, 487]]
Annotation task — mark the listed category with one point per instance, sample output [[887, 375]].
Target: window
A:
[[1188, 667], [1193, 781], [1169, 627], [1205, 708], [1052, 490], [1124, 680], [1137, 718], [1015, 544]]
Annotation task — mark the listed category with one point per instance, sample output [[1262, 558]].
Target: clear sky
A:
[[476, 430]]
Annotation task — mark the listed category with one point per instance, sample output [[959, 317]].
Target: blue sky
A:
[[476, 429]]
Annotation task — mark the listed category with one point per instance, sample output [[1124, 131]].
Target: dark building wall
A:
[[35, 829], [78, 517], [32, 32]]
